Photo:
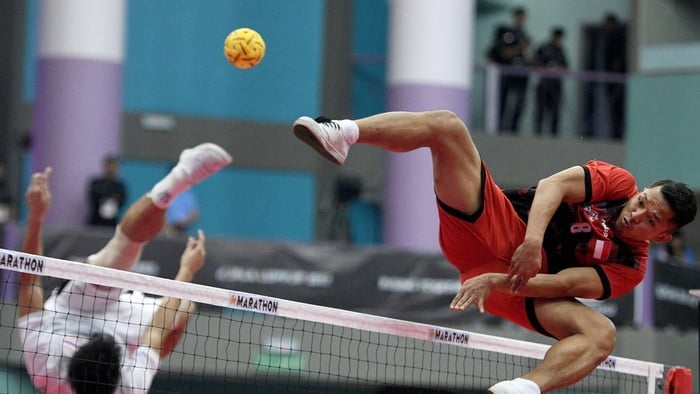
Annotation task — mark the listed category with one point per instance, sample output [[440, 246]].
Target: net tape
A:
[[70, 270]]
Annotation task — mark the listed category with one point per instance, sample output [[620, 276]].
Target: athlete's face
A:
[[645, 217]]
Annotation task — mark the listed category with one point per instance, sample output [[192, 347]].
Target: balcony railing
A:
[[592, 102]]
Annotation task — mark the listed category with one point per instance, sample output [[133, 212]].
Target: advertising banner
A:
[[673, 305]]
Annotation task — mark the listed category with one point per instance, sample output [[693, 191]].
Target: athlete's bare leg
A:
[[456, 161], [586, 338], [145, 218]]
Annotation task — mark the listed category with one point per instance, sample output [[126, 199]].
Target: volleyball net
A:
[[244, 342]]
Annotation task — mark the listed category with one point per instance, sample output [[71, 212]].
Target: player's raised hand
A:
[[193, 256], [38, 195]]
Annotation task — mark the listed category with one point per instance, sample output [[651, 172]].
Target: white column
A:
[[77, 111], [429, 67]]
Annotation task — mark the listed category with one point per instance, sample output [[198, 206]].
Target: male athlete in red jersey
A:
[[525, 255]]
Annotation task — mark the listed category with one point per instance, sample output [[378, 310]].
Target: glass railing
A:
[[591, 104]]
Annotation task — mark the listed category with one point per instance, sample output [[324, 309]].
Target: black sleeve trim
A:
[[589, 185], [532, 317], [461, 215], [604, 280]]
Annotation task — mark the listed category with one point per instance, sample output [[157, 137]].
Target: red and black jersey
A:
[[582, 234]]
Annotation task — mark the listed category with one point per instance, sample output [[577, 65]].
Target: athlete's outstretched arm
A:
[[30, 297], [565, 186], [582, 282], [171, 317]]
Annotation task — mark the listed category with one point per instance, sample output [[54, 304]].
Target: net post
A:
[[679, 380]]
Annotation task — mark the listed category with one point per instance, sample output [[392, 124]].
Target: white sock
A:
[[163, 192], [350, 130], [120, 252], [526, 386]]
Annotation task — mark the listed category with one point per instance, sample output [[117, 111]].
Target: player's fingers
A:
[[457, 301], [464, 301], [513, 271], [517, 282], [192, 243]]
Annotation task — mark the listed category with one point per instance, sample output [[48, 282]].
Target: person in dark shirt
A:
[[106, 195], [6, 200], [549, 89], [510, 48], [527, 255]]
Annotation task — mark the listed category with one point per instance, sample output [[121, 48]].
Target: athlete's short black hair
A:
[[681, 199], [95, 366]]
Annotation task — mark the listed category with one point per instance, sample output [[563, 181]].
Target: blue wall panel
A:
[[175, 63], [241, 202], [369, 48]]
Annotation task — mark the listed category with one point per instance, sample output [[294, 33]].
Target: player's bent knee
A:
[[444, 122], [602, 335]]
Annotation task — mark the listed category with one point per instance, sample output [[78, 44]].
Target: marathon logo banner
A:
[[609, 363], [673, 304], [255, 304], [451, 337], [21, 263]]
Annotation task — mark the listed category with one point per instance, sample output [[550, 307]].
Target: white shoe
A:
[[505, 387], [202, 161], [324, 135]]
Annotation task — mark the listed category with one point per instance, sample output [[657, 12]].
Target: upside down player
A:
[[93, 339], [525, 255]]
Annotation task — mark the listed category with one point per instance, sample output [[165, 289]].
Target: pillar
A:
[[429, 67], [77, 108]]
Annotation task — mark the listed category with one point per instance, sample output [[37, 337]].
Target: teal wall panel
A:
[[175, 60], [16, 381], [369, 48], [663, 137], [242, 202], [175, 64]]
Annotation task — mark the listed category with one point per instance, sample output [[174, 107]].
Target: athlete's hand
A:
[[474, 291], [525, 264], [193, 257], [38, 195]]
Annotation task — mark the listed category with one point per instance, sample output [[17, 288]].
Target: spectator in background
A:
[[551, 56], [675, 251], [106, 194], [6, 211], [182, 214], [510, 48]]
